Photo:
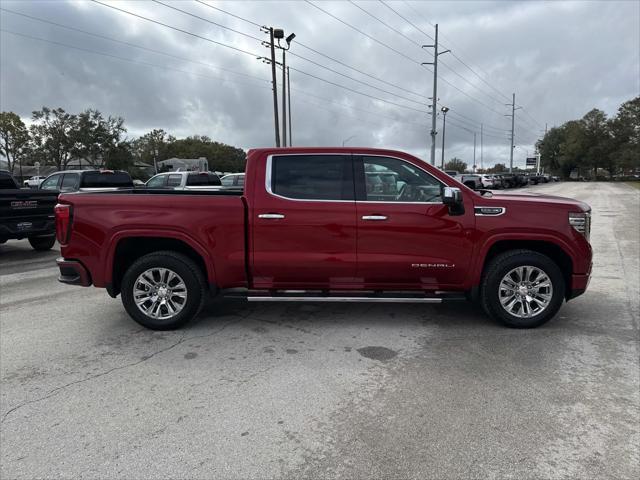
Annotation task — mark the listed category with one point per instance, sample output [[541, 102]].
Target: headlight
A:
[[581, 222]]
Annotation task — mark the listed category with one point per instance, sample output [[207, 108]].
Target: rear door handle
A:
[[271, 216], [374, 218]]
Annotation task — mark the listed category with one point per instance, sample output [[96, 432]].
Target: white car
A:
[[488, 181], [185, 181], [34, 182]]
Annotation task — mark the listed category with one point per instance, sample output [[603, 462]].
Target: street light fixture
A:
[[444, 111]]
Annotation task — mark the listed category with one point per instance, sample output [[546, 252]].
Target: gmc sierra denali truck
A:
[[327, 224]]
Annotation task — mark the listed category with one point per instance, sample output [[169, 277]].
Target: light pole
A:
[[347, 139], [279, 34], [444, 111]]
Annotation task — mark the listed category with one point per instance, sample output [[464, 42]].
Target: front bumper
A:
[[579, 284], [72, 272]]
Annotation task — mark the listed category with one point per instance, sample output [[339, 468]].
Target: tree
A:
[[456, 164], [52, 136], [597, 139], [221, 157], [95, 136], [625, 137], [497, 168], [152, 146], [14, 140]]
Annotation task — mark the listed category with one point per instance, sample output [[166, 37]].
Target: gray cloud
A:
[[561, 59]]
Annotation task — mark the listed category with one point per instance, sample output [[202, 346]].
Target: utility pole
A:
[[434, 99], [513, 118], [284, 98], [289, 105], [474, 152], [276, 122], [444, 129], [481, 146]]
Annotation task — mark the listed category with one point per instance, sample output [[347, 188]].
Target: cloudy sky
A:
[[356, 68]]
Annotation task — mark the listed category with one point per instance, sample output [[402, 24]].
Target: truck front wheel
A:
[[163, 290], [522, 288]]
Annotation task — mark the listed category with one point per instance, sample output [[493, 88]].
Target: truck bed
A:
[[211, 222]]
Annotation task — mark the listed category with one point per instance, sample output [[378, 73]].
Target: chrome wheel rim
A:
[[160, 293], [525, 291]]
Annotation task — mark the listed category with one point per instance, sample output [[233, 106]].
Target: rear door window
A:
[[70, 182], [159, 181], [174, 180], [312, 177], [51, 183]]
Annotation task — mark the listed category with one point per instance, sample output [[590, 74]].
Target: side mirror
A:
[[452, 197]]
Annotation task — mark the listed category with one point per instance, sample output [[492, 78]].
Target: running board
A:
[[252, 298], [351, 296]]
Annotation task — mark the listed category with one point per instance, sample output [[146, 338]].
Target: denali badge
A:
[[19, 204], [432, 265]]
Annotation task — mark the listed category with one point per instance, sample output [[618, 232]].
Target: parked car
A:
[[34, 182], [86, 180], [489, 181], [452, 173], [26, 214], [233, 180], [184, 180], [471, 180], [307, 228]]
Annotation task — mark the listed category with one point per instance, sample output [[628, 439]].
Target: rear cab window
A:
[[106, 179], [203, 179], [311, 177]]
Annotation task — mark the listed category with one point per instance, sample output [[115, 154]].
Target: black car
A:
[[86, 180], [26, 213]]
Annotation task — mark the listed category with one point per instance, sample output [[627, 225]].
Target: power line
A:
[[237, 49], [209, 21], [349, 66], [459, 59], [117, 57], [384, 23], [104, 37], [412, 60], [293, 54], [328, 57]]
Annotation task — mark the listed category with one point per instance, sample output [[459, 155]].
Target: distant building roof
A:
[[185, 164]]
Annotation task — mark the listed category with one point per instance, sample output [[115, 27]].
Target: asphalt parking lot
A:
[[325, 390]]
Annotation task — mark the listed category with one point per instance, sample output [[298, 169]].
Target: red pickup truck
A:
[[327, 224]]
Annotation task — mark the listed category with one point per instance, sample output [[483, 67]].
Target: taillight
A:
[[63, 222]]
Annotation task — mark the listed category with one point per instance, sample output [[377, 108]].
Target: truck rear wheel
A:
[[522, 288], [163, 290], [42, 243]]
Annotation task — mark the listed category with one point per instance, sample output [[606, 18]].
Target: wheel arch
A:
[[126, 249], [546, 247]]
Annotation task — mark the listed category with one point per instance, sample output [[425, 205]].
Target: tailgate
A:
[[25, 211]]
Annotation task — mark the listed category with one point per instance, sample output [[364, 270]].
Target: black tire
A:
[[42, 243], [504, 263], [185, 268]]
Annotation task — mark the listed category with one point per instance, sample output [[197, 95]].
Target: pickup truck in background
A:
[[87, 180], [327, 224], [184, 180], [26, 213]]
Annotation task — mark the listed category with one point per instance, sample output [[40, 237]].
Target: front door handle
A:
[[271, 216], [374, 218]]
